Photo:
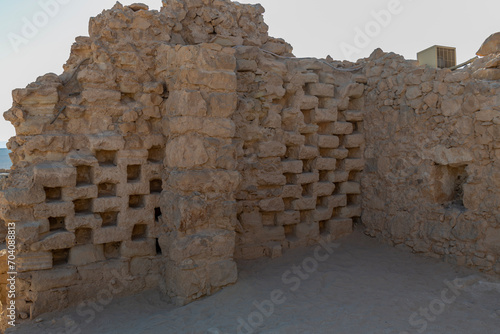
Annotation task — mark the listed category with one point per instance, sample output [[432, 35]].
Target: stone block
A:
[[35, 96], [322, 213], [265, 178], [320, 115], [305, 203], [321, 89], [354, 164], [206, 181], [84, 254], [337, 228], [292, 191], [288, 217], [54, 241], [339, 200], [350, 211], [292, 166], [342, 128], [200, 247], [325, 163], [70, 194], [218, 127], [354, 115], [56, 278], [306, 178], [186, 151], [271, 149], [110, 234], [34, 261], [185, 103], [328, 141], [92, 95], [308, 152], [105, 142], [55, 209], [55, 175], [293, 139], [309, 102], [323, 188], [354, 140], [222, 104], [272, 205]]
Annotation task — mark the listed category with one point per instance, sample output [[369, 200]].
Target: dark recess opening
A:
[[157, 214], [158, 248], [109, 218], [155, 186], [83, 176], [56, 224], [106, 190], [60, 256], [139, 232], [83, 236], [53, 194]]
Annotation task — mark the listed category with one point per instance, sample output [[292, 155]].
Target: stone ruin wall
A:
[[431, 182], [175, 142]]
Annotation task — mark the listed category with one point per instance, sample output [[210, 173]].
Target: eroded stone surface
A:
[[175, 142]]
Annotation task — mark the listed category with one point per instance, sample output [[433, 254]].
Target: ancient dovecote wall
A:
[[178, 140], [432, 176], [172, 143], [299, 128], [125, 165]]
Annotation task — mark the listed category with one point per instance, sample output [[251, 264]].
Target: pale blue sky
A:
[[315, 28]]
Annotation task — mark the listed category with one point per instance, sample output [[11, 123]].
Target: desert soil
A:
[[361, 286]]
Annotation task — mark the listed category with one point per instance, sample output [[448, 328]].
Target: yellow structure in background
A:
[[438, 56]]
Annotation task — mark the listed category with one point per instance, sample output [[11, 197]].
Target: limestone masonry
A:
[[178, 141]]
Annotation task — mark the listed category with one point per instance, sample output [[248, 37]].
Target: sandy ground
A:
[[359, 287]]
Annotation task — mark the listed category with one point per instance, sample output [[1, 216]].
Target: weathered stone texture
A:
[[432, 159], [179, 140]]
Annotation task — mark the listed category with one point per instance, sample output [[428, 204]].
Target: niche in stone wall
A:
[[448, 184]]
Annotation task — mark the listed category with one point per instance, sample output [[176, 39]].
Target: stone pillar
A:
[[198, 206]]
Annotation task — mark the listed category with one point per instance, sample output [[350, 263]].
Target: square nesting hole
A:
[[139, 232], [106, 158], [83, 206], [155, 186], [83, 236], [106, 190], [156, 154], [83, 176], [53, 194], [112, 250], [136, 201], [133, 173], [109, 218], [56, 224], [60, 257]]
